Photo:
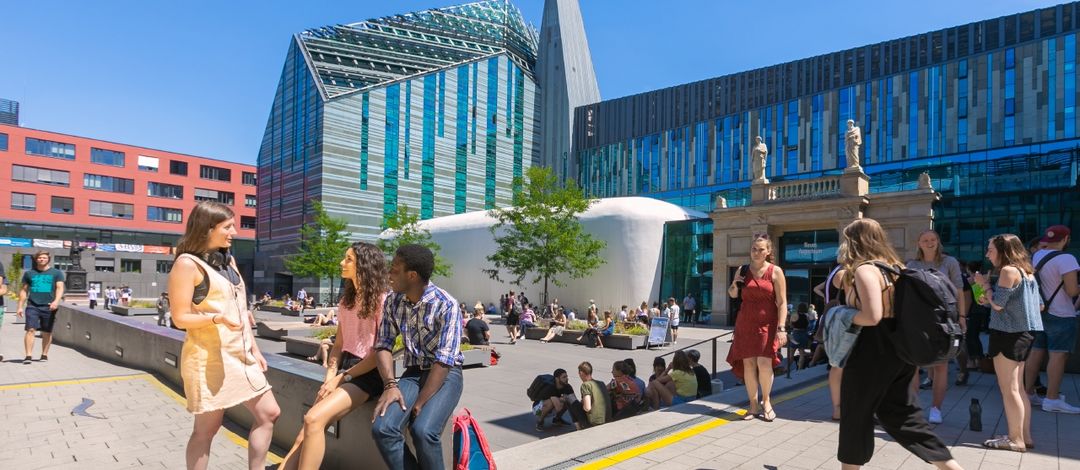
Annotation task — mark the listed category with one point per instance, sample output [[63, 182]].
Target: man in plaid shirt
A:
[[429, 322]]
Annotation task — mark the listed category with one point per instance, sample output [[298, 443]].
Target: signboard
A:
[[658, 330], [814, 247], [16, 242]]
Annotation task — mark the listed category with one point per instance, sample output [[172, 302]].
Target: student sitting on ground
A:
[[704, 380], [625, 394], [677, 384], [594, 399]]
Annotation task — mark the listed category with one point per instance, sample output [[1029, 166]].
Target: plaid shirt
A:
[[430, 329]]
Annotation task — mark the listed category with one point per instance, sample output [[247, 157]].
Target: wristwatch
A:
[[781, 330], [348, 378]]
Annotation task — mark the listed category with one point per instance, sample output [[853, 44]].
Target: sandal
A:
[[1029, 446], [1004, 444], [766, 416], [750, 414]]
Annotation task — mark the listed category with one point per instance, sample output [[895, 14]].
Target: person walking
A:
[[1057, 273], [220, 363], [428, 320], [1014, 303], [39, 298], [351, 375], [3, 292], [875, 381], [929, 255], [92, 296], [759, 327]]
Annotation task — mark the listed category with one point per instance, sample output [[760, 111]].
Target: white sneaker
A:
[[935, 415], [1059, 406], [1036, 400]]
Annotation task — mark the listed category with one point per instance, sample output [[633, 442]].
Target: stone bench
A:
[[281, 329], [616, 341]]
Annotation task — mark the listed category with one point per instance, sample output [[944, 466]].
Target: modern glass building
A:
[[435, 110], [987, 108]]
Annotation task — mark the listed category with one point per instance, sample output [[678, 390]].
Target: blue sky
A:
[[198, 76]]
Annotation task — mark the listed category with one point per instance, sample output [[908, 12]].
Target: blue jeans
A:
[[426, 429]]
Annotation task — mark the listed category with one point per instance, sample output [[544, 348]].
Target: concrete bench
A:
[[281, 329], [571, 337]]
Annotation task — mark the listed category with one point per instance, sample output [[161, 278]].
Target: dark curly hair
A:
[[371, 280]]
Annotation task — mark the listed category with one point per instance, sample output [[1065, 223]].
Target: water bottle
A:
[[976, 415]]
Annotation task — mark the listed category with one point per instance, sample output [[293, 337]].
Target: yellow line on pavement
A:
[[613, 459], [57, 383], [271, 457]]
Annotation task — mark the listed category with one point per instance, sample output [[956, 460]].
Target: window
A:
[[39, 175], [248, 178], [170, 191], [105, 265], [207, 172], [23, 201], [249, 200], [164, 214], [106, 157], [247, 221], [48, 148], [61, 262], [177, 168], [108, 183], [3, 141], [164, 266], [63, 205], [148, 163], [115, 210], [130, 265], [223, 197]]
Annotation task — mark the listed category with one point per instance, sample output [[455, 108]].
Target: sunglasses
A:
[[763, 236]]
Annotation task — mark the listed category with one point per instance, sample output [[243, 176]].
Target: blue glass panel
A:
[[408, 125], [364, 103], [462, 143], [390, 154], [427, 149], [491, 130]]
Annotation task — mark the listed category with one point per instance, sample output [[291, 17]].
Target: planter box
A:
[[281, 310], [132, 311], [476, 357], [571, 337], [281, 329], [304, 346]]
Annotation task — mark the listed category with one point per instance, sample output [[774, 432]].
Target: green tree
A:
[[13, 276], [407, 230], [541, 234], [322, 244]]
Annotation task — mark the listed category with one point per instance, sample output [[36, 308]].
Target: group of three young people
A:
[[222, 367]]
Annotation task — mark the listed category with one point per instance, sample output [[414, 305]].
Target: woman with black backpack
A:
[[875, 380]]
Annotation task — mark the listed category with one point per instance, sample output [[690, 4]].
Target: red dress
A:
[[755, 327]]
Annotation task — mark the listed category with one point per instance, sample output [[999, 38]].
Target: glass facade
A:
[[106, 157], [688, 262], [48, 148]]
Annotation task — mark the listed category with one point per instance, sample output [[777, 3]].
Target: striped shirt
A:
[[430, 329]]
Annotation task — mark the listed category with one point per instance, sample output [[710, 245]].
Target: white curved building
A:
[[633, 228]]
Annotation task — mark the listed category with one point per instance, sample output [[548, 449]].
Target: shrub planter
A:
[[132, 311], [571, 337]]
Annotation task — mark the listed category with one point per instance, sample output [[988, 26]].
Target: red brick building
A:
[[130, 203]]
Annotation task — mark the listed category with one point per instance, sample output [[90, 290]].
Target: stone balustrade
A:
[[804, 189]]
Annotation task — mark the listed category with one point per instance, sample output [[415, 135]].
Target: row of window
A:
[[121, 185], [53, 149], [116, 210]]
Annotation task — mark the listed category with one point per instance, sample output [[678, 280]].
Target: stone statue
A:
[[852, 144], [924, 181], [76, 256], [757, 157]]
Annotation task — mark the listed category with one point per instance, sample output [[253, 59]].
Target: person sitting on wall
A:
[[558, 325]]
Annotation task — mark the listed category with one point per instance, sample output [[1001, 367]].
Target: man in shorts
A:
[[1057, 272], [42, 289]]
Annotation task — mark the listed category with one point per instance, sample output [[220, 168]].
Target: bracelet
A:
[[213, 319], [389, 385]]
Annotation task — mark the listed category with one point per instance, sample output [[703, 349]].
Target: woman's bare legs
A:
[[206, 426], [835, 374], [265, 411], [1009, 374], [334, 407], [750, 378]]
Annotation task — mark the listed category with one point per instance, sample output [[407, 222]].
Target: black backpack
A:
[[536, 388], [1038, 280], [927, 328]]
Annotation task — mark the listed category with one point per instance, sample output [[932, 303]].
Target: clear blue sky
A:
[[198, 76]]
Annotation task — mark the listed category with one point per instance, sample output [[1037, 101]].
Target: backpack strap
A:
[[1038, 267]]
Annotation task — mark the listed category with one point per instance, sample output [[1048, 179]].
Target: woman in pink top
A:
[[359, 313]]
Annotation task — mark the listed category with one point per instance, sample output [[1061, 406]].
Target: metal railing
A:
[[713, 343]]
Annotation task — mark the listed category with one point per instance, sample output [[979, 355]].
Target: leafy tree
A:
[[407, 230], [541, 234], [322, 244], [13, 276]]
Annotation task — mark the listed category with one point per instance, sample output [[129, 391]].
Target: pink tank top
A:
[[358, 334]]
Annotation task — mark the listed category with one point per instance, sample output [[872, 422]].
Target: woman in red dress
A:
[[758, 327]]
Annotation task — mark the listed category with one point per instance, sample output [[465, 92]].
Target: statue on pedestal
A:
[[758, 154], [924, 181], [76, 256], [852, 144]]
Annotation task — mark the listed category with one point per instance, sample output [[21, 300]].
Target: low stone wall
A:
[[571, 337], [156, 349]]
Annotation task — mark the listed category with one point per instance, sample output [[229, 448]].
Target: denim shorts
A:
[[1058, 335]]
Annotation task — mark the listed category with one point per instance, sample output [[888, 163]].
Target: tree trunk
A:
[[545, 296]]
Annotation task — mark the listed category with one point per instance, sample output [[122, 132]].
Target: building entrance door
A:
[[807, 257]]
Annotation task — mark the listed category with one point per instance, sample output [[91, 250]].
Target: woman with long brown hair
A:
[[220, 363], [365, 272], [875, 381], [1014, 303], [759, 327]]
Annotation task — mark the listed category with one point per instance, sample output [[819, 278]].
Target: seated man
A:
[[704, 380], [593, 407], [557, 398], [477, 330], [626, 396], [557, 326]]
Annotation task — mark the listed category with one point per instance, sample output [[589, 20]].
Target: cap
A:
[[1055, 234]]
